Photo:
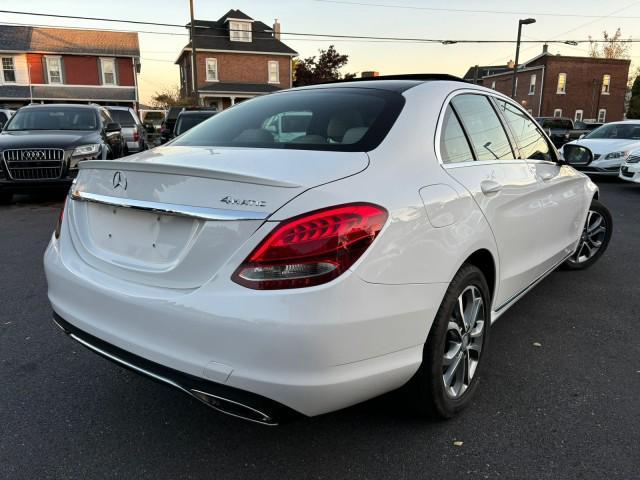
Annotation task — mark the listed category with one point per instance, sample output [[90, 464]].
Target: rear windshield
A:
[[339, 119], [187, 122], [556, 123], [625, 131], [49, 118], [153, 117], [123, 117]]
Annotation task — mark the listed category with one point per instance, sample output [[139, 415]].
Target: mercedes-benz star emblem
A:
[[119, 180]]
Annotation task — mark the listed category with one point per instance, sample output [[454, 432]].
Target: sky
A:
[[568, 20]]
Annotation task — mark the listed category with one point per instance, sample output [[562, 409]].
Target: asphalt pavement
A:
[[560, 397]]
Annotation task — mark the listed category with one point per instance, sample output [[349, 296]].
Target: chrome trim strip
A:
[[201, 213], [519, 295], [172, 383]]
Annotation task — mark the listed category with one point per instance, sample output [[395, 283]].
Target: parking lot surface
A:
[[560, 396]]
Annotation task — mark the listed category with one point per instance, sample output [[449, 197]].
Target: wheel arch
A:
[[484, 261]]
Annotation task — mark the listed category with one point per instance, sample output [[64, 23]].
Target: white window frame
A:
[[579, 116], [557, 111], [103, 62], [214, 62], [240, 31], [47, 59], [602, 115], [516, 86], [606, 84], [270, 63], [13, 68], [532, 85], [562, 90]]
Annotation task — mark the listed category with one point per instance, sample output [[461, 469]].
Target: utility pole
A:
[[526, 21], [194, 67]]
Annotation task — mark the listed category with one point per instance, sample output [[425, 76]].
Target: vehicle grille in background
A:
[[633, 159], [34, 163]]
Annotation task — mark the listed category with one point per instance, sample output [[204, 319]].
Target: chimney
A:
[[545, 48], [511, 64], [370, 74], [276, 29]]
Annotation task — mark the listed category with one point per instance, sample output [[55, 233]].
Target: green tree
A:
[[325, 68], [170, 97], [633, 112]]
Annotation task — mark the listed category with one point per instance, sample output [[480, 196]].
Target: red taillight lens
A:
[[313, 248], [56, 232], [136, 136]]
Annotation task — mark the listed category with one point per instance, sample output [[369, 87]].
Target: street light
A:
[[526, 21]]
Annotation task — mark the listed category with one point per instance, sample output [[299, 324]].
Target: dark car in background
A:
[[561, 130], [583, 128], [169, 123], [190, 118], [41, 145], [133, 132]]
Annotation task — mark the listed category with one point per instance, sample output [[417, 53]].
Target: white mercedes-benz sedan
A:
[[270, 274]]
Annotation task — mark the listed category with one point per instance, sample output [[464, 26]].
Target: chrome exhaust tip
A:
[[233, 408]]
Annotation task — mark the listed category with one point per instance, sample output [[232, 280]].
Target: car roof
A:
[[198, 112], [395, 83], [61, 105], [115, 107]]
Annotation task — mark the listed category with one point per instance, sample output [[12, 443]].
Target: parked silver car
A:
[[133, 132]]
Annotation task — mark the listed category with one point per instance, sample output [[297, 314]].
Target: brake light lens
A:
[[56, 232], [136, 136], [313, 248]]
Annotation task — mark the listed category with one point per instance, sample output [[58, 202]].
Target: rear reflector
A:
[[56, 231], [313, 248]]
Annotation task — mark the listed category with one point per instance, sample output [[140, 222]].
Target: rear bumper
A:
[[314, 350], [134, 146], [225, 399]]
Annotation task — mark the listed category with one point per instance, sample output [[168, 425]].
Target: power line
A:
[[462, 10]]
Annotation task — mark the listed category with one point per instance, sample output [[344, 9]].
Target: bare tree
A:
[[170, 97], [612, 46]]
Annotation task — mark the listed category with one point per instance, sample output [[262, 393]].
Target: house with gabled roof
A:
[[237, 58], [48, 65]]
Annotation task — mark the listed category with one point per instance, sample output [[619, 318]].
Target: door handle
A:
[[490, 186], [546, 176]]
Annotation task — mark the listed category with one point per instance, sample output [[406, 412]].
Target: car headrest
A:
[[339, 124], [254, 135], [354, 135]]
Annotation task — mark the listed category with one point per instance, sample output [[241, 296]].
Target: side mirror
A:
[[113, 127], [577, 155]]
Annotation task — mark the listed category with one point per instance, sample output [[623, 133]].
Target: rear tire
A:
[[456, 346], [594, 238], [5, 198]]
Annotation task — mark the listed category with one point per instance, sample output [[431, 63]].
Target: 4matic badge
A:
[[229, 200]]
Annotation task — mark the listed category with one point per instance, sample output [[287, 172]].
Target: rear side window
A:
[[483, 126], [347, 119], [454, 147], [3, 117], [531, 142], [123, 117]]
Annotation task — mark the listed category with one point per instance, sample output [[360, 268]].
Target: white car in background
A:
[[630, 169], [611, 144], [266, 274]]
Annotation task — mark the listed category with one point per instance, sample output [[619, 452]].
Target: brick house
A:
[[581, 88], [52, 65], [237, 58]]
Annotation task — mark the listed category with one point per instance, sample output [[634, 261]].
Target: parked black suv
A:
[[41, 145]]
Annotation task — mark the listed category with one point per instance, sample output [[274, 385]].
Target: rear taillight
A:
[[313, 248], [56, 232], [136, 136]]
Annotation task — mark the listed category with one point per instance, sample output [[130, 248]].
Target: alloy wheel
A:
[[593, 235], [463, 343]]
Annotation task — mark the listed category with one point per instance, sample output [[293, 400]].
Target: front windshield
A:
[[48, 118], [619, 131], [345, 119]]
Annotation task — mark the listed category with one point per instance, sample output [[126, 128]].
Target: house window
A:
[[557, 112], [602, 115], [606, 84], [240, 31], [212, 69], [8, 70], [493, 85], [532, 85], [54, 69], [274, 72], [108, 67], [579, 115], [562, 84]]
